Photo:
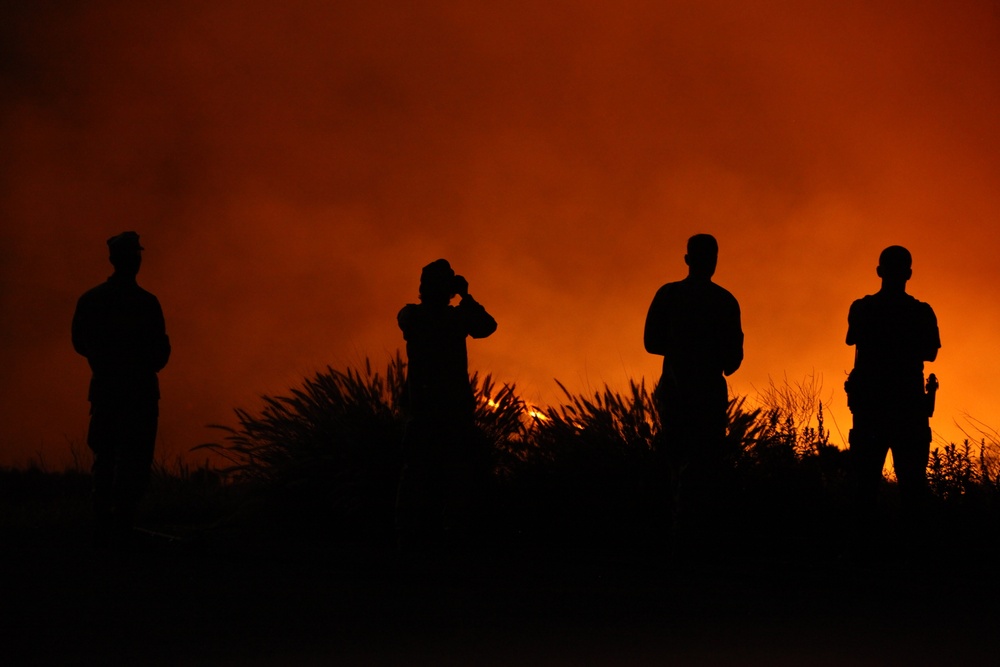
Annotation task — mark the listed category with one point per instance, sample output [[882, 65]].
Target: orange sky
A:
[[291, 166]]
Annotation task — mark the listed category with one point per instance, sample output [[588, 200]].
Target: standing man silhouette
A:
[[119, 328], [444, 458], [893, 335], [695, 324]]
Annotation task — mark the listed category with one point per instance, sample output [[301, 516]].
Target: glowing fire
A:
[[529, 410]]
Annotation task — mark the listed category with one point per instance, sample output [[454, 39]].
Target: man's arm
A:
[[80, 329], [654, 336], [161, 342], [933, 339], [732, 354], [853, 317], [478, 323]]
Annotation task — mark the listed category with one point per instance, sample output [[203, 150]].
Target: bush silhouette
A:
[[328, 456]]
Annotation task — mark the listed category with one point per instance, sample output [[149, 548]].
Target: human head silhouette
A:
[[437, 282], [895, 265], [702, 255], [125, 253]]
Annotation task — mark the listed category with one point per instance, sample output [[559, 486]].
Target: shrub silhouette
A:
[[329, 452], [329, 455], [588, 467]]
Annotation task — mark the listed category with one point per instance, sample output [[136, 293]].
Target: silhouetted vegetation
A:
[[328, 456], [323, 463]]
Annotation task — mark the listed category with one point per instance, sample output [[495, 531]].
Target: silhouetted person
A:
[[893, 334], [695, 325], [119, 328], [445, 460]]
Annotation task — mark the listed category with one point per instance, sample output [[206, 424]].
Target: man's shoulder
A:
[[722, 292], [688, 286], [110, 288], [864, 302], [109, 301], [666, 288], [880, 305], [96, 293], [407, 312], [720, 296], [696, 289], [882, 299], [667, 296], [917, 303], [148, 298], [412, 313], [924, 313]]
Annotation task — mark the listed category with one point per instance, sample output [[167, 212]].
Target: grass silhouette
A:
[[326, 458]]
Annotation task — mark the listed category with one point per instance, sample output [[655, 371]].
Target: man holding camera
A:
[[444, 456]]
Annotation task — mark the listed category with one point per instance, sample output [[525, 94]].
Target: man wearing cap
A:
[[443, 457], [695, 325], [119, 328], [893, 334]]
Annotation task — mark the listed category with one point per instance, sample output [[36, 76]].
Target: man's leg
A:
[[104, 437], [420, 494], [135, 460], [671, 456], [409, 491], [695, 421], [909, 457], [868, 449], [467, 467]]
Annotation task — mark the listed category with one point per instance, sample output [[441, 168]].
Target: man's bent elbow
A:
[[732, 366], [484, 331]]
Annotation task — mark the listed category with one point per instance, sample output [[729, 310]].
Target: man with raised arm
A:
[[444, 458]]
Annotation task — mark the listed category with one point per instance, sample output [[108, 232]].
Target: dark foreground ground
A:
[[235, 595]]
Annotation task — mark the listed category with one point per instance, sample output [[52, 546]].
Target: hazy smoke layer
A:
[[291, 166]]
